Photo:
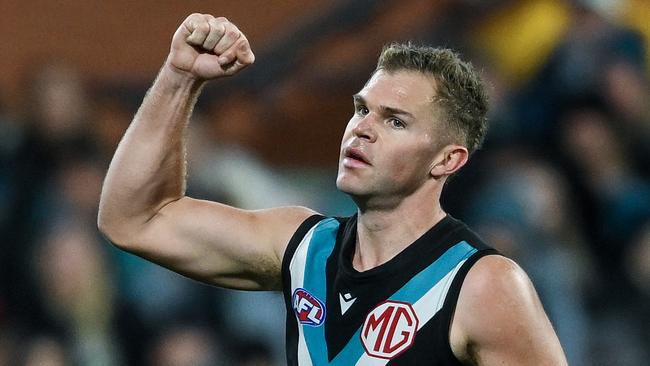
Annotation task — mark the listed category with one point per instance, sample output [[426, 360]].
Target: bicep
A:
[[502, 318], [220, 244]]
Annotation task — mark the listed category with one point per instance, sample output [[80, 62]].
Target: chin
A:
[[345, 185], [341, 184]]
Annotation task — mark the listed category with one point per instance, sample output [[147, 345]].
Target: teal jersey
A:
[[398, 313]]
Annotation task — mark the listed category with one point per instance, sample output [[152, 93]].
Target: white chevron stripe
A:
[[432, 301], [425, 308], [297, 271]]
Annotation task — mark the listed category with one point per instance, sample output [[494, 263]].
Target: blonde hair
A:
[[459, 91]]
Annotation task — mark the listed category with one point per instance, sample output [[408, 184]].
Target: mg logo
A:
[[389, 329], [309, 310]]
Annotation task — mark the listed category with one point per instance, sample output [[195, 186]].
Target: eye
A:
[[361, 110], [396, 123]]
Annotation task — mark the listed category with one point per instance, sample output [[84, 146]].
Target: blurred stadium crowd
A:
[[562, 184]]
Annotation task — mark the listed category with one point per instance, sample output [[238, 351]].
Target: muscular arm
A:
[[499, 319], [143, 207]]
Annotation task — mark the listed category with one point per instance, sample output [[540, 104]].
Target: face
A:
[[389, 145]]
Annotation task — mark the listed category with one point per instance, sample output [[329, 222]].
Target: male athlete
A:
[[399, 283]]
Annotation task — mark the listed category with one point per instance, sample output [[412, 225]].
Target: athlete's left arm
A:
[[500, 320]]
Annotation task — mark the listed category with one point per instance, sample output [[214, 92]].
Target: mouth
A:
[[355, 155]]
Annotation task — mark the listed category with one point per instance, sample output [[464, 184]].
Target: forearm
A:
[[148, 168]]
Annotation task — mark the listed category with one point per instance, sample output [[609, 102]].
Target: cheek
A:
[[347, 132], [410, 163], [404, 166]]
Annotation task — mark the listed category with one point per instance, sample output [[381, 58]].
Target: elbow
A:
[[102, 222], [108, 230], [105, 221], [121, 231], [104, 226], [114, 232]]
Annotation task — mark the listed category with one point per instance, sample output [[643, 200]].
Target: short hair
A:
[[459, 91]]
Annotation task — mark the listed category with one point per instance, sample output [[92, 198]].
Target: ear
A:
[[449, 160]]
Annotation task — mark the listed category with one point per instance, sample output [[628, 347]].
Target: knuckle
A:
[[232, 33], [249, 58], [204, 26], [216, 27], [243, 44], [220, 29], [245, 53], [194, 19]]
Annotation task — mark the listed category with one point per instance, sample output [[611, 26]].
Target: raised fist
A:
[[207, 47]]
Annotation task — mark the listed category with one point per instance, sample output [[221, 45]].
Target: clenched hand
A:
[[206, 48]]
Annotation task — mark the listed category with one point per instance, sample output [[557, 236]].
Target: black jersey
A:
[[398, 313]]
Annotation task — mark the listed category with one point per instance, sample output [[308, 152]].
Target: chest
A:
[[390, 315]]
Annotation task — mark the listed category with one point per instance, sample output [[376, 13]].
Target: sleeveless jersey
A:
[[398, 313]]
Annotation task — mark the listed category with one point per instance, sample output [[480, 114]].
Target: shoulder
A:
[[495, 277], [499, 317], [305, 220], [286, 222], [495, 290]]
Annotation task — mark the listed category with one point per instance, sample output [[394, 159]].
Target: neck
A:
[[384, 232]]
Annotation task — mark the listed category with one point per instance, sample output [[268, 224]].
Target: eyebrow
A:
[[385, 109]]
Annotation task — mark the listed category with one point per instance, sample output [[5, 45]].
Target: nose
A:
[[364, 129]]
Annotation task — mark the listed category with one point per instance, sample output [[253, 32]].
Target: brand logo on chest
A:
[[389, 329], [309, 309]]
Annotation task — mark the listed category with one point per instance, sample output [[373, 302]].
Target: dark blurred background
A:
[[562, 184]]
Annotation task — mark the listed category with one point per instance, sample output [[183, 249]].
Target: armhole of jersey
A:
[[293, 245], [449, 308], [291, 332]]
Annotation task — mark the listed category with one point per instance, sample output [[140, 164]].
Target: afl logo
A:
[[309, 310], [389, 329]]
